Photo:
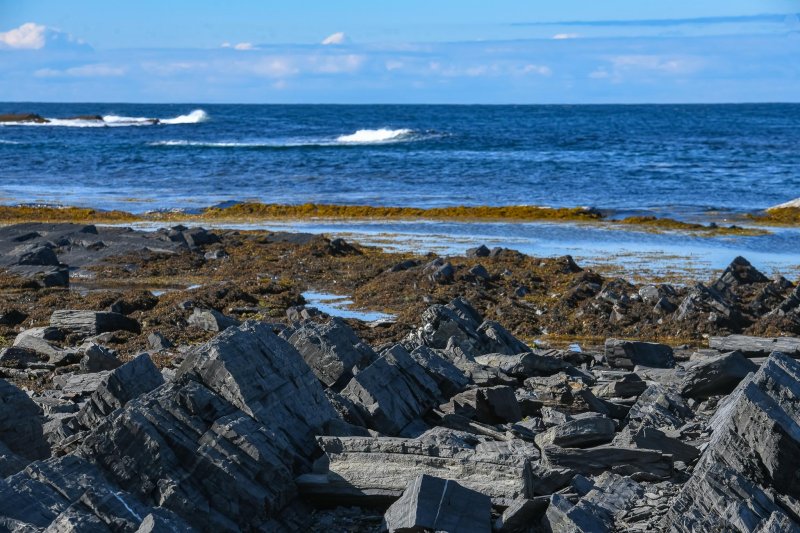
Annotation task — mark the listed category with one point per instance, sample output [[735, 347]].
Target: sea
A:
[[691, 162]]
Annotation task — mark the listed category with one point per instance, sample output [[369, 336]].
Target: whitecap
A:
[[195, 117], [3, 141], [375, 136]]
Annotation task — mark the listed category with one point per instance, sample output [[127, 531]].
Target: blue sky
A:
[[435, 51]]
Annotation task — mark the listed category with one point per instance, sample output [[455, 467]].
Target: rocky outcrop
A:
[[89, 323], [628, 354]]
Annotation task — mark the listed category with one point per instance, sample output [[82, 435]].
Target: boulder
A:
[[432, 503], [392, 392], [489, 405], [714, 376], [21, 424], [756, 346], [332, 350], [97, 358], [448, 377], [594, 461], [739, 272], [211, 320], [523, 365], [578, 433], [746, 479], [522, 515], [89, 323], [34, 254], [157, 342], [628, 354]]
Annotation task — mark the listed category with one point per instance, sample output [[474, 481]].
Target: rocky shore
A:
[[177, 380]]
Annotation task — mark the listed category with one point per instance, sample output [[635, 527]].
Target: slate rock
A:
[[448, 377], [578, 433], [628, 354], [489, 405], [97, 358], [211, 320], [522, 516], [89, 323], [593, 461], [157, 342], [715, 375], [756, 346], [21, 423]]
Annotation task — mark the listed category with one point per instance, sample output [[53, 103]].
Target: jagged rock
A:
[[88, 323], [739, 272], [157, 342], [747, 475], [448, 377], [756, 346], [578, 433], [628, 354], [18, 357], [118, 387], [77, 386], [496, 339], [40, 340], [21, 423], [195, 237], [432, 503], [34, 254], [211, 320], [593, 461], [502, 471], [480, 251], [332, 350], [706, 304], [12, 317], [619, 385], [97, 358], [649, 438], [489, 405], [555, 390], [659, 407], [522, 516], [715, 375], [523, 365], [392, 391]]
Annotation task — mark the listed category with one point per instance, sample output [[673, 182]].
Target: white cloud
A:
[[98, 70], [657, 63], [560, 36], [335, 38], [394, 65], [29, 36], [542, 70], [244, 46]]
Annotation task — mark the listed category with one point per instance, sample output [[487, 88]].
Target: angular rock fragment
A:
[[211, 320], [449, 378], [332, 350], [523, 365], [431, 503], [593, 461], [392, 391], [715, 375], [97, 358], [522, 515], [628, 354], [158, 342], [490, 405], [578, 433], [21, 423], [756, 346], [88, 323]]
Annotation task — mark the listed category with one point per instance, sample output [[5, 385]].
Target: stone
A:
[[746, 477], [523, 365], [756, 346], [739, 272], [522, 516], [432, 503], [448, 377], [211, 320], [502, 471], [88, 323], [19, 357], [715, 375], [624, 385], [443, 274], [97, 358], [332, 350], [489, 405], [578, 433], [21, 424], [157, 342], [392, 391], [479, 272], [628, 354], [593, 461], [480, 251], [659, 407], [706, 304], [35, 254]]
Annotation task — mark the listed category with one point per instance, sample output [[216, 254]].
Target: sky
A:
[[432, 51]]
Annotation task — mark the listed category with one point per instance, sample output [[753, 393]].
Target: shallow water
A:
[[341, 306]]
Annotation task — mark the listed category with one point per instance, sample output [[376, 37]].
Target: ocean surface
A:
[[677, 159], [690, 162]]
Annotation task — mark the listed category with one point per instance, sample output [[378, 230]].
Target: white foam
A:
[[2, 141], [210, 144], [375, 136], [196, 116]]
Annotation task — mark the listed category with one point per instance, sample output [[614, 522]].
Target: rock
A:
[[157, 342], [211, 320], [35, 254], [23, 117], [622, 385], [196, 237], [578, 433], [659, 407], [479, 272], [746, 478], [88, 323], [489, 405], [650, 438], [715, 375], [502, 471], [97, 358], [523, 365], [392, 391], [432, 503], [39, 341], [332, 350], [627, 354], [443, 274], [448, 377], [404, 265], [12, 317], [43, 276], [21, 424], [756, 346], [739, 272], [496, 339], [480, 251], [18, 357], [706, 304], [593, 461], [522, 516]]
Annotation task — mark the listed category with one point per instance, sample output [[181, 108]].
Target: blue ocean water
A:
[[676, 159]]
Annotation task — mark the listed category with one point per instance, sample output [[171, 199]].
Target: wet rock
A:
[[404, 265], [443, 274], [706, 304], [332, 350], [489, 405], [628, 354], [715, 375], [196, 237], [211, 320], [578, 433], [499, 470], [746, 477], [88, 323], [392, 391], [431, 503], [340, 246], [34, 254], [157, 342], [756, 346]]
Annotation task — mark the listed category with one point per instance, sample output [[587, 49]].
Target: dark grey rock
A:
[[97, 358], [739, 272], [211, 320], [578, 433], [522, 516], [157, 342], [431, 503], [523, 365], [489, 405], [593, 461], [448, 377], [480, 251], [34, 254], [19, 357], [392, 391], [21, 423], [628, 354], [715, 375], [756, 346], [332, 350], [88, 323]]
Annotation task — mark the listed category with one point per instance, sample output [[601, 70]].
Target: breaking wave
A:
[[375, 136], [114, 121]]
